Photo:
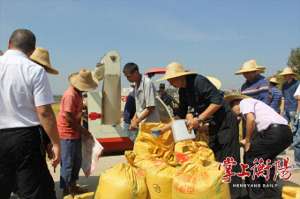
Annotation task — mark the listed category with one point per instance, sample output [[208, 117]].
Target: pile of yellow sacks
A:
[[290, 192], [158, 168]]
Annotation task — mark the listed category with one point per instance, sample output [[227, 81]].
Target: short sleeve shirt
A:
[[71, 102], [145, 96], [275, 98], [258, 89], [264, 114], [24, 86], [297, 92], [288, 91]]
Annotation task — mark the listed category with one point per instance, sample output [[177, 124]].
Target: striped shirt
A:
[[258, 89]]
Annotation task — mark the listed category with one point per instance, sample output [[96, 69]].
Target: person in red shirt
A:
[[71, 131]]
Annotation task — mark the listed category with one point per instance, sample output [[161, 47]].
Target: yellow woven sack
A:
[[290, 192], [188, 149], [200, 179], [159, 176], [122, 181], [147, 144]]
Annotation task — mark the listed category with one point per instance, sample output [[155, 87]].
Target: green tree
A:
[[294, 60]]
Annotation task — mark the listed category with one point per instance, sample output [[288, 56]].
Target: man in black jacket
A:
[[200, 101]]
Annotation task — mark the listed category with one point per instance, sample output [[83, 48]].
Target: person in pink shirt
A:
[[267, 135], [71, 131]]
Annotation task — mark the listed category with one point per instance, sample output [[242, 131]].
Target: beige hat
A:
[[216, 82], [287, 71], [83, 80], [41, 57], [261, 68], [250, 66], [235, 96], [173, 70], [273, 80]]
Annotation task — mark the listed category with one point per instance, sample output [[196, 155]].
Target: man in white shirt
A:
[[267, 135], [296, 130], [25, 106], [144, 93]]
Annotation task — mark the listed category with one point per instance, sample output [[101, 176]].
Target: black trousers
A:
[[23, 164], [267, 145], [224, 141]]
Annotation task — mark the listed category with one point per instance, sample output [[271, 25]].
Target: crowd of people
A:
[[29, 129], [269, 115]]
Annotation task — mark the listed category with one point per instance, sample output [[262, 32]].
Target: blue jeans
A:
[[131, 134], [290, 116], [70, 162]]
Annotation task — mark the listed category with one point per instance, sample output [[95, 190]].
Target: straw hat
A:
[[287, 71], [235, 96], [261, 68], [83, 80], [250, 66], [173, 70], [274, 80], [216, 82], [41, 57]]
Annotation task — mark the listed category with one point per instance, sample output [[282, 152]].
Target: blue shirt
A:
[[129, 109], [258, 89], [275, 98], [288, 90]]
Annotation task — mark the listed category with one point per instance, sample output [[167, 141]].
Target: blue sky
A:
[[208, 36]]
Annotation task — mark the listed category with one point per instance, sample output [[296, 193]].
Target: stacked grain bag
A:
[[159, 168], [290, 192]]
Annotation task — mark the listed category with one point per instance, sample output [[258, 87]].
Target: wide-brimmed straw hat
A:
[[173, 70], [41, 57], [235, 96], [273, 80], [83, 80], [250, 66], [216, 82], [287, 71]]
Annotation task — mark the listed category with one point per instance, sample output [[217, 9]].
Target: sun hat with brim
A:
[[273, 80], [41, 57], [250, 66], [287, 71], [83, 80], [261, 69], [234, 96], [216, 82], [173, 70]]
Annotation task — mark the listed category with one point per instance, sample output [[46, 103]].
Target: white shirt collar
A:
[[15, 53]]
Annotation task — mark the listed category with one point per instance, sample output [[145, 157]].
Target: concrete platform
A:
[[91, 182]]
